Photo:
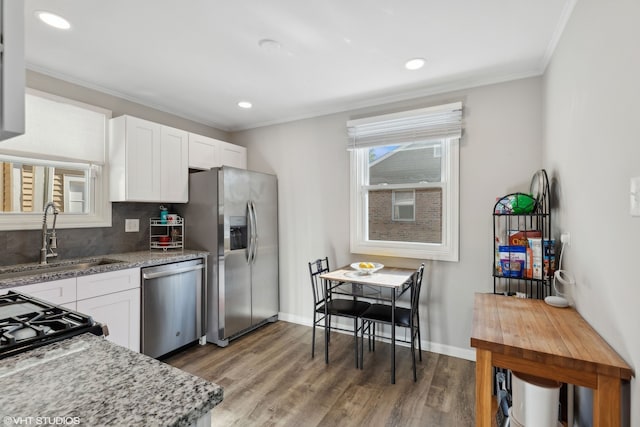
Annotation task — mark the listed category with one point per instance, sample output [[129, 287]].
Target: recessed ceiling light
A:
[[270, 45], [245, 104], [414, 64], [52, 19], [274, 48]]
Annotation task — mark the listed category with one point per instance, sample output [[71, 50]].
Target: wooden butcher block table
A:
[[529, 336]]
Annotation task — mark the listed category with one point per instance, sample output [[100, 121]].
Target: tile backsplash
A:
[[23, 246]]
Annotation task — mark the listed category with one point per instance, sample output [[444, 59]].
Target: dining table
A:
[[385, 284]]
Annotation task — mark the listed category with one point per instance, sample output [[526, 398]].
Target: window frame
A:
[[394, 204], [448, 249], [99, 214]]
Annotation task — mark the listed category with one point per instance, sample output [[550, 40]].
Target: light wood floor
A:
[[269, 379]]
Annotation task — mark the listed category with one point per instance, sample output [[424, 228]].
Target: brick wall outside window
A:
[[427, 228]]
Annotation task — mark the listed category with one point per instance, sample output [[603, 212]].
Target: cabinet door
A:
[[142, 171], [233, 155], [95, 285], [56, 291], [203, 152], [12, 66], [120, 311], [174, 165]]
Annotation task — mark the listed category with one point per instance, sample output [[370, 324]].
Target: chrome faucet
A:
[[49, 239]]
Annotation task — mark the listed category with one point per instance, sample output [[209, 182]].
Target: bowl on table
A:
[[366, 267]]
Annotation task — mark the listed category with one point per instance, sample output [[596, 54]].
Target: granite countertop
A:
[[127, 260], [96, 382]]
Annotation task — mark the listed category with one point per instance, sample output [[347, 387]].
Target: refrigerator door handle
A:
[[254, 232], [251, 222], [250, 225]]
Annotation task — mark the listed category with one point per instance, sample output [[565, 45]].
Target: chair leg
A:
[[373, 343], [355, 339], [313, 336], [372, 327], [327, 335], [365, 325], [419, 344], [419, 338], [413, 356], [393, 355], [361, 344]]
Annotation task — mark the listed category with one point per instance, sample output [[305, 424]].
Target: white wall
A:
[[117, 105], [499, 153], [591, 148]]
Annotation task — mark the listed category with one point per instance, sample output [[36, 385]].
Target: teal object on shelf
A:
[[163, 214]]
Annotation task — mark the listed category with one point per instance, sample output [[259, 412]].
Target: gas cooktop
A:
[[27, 323]]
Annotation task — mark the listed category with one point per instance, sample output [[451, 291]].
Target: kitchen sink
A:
[[36, 269]]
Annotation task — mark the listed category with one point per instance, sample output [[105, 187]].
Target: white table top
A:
[[388, 277]]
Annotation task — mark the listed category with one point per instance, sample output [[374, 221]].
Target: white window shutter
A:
[[426, 124]]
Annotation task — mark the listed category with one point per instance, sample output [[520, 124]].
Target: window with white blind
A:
[[404, 183], [59, 159]]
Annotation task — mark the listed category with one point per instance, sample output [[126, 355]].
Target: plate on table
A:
[[366, 267]]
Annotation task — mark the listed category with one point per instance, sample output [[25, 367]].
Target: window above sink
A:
[[29, 184]]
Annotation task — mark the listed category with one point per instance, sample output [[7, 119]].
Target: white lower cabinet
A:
[[120, 312], [113, 299], [70, 305], [59, 292]]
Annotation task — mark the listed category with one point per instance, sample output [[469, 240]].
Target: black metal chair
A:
[[325, 306], [404, 317]]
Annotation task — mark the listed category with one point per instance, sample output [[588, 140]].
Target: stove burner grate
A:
[[27, 322]]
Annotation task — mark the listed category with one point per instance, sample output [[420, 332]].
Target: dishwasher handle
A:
[[171, 271]]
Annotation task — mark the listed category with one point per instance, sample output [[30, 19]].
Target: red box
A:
[[520, 238]]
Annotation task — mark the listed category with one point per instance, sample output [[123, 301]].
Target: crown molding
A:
[[567, 11], [114, 93], [463, 83]]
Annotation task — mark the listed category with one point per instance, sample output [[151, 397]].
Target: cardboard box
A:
[[549, 259], [521, 238], [512, 260], [535, 244], [542, 258]]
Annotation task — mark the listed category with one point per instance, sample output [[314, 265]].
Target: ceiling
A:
[[198, 58]]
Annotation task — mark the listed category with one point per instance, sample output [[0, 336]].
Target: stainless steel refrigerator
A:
[[233, 214]]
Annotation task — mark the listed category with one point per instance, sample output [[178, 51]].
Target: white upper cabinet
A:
[[174, 165], [148, 162], [12, 71], [203, 152], [233, 155], [207, 153]]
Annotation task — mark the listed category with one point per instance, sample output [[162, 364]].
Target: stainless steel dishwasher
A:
[[174, 306]]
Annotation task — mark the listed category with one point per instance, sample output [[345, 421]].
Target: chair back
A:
[[415, 291], [316, 268]]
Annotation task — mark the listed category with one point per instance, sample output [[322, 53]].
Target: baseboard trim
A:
[[447, 350]]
